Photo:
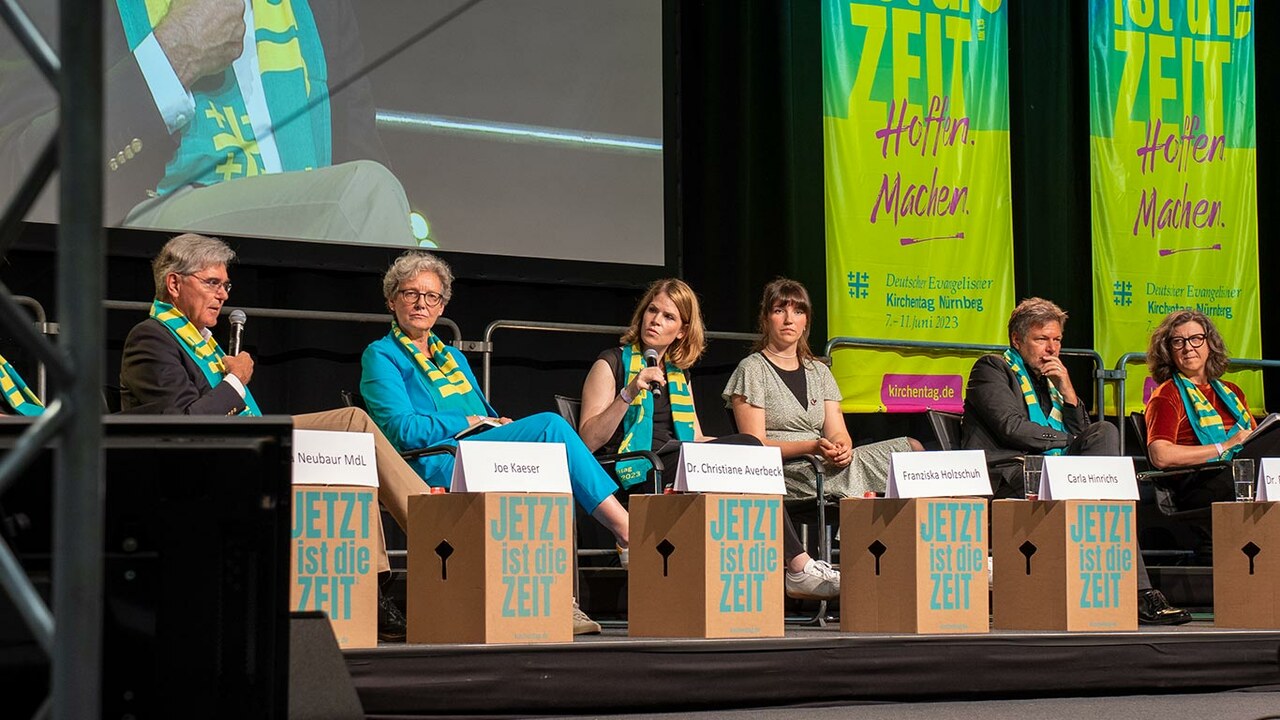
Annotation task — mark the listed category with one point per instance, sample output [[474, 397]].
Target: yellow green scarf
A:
[[1205, 420], [445, 379], [203, 350], [637, 424], [1036, 413], [16, 392]]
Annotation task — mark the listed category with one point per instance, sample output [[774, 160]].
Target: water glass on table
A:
[[1245, 477], [1032, 469]]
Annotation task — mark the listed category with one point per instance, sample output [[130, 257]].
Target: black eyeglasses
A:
[[1195, 341], [212, 283], [411, 297]]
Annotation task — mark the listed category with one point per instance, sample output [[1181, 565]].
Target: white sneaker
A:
[[818, 581], [582, 624]]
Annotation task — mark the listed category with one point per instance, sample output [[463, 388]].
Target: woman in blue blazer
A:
[[422, 392]]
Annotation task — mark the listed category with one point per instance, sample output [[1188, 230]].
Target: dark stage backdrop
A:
[[744, 203]]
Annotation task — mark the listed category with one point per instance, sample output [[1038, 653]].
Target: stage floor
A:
[[612, 673]]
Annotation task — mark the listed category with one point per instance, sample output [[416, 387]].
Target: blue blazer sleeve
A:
[[397, 398]]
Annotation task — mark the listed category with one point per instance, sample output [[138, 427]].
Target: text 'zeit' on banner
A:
[[919, 230]]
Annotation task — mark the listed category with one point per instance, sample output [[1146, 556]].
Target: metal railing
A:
[[321, 315], [68, 630], [1100, 374], [44, 327], [1120, 374], [486, 346]]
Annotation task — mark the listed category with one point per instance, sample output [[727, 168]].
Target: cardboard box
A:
[[1246, 565], [705, 566], [332, 567], [490, 568], [1064, 565], [913, 566]]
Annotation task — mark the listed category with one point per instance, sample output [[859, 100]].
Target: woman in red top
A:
[[1194, 417]]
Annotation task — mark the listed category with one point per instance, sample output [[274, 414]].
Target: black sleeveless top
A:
[[663, 427]]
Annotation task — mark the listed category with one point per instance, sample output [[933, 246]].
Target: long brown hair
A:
[[783, 292], [686, 350]]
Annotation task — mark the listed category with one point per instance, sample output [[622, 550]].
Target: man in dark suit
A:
[[1022, 402], [998, 415], [172, 365]]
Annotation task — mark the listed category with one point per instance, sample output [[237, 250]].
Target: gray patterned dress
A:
[[785, 419]]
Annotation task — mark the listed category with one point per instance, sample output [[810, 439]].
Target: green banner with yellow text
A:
[[1173, 168], [918, 222]]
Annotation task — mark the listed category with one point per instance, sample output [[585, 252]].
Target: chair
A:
[[818, 504], [1170, 525], [810, 512], [351, 398], [1164, 497], [396, 540], [946, 428], [569, 409], [110, 399]]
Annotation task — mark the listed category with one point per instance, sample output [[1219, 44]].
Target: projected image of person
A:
[[783, 395], [621, 413], [422, 392], [219, 118], [1194, 416]]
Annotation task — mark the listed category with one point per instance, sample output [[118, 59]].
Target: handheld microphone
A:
[[651, 360], [237, 318]]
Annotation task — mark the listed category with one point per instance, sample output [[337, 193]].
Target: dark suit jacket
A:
[[157, 376], [996, 418]]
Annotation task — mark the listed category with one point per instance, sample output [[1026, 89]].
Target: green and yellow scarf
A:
[[1205, 420], [1036, 413], [637, 424], [203, 350], [445, 379], [219, 143], [16, 392]]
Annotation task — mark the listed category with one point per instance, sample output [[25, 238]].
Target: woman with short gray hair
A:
[[422, 393]]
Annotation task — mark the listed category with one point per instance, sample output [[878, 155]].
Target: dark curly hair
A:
[[1160, 355]]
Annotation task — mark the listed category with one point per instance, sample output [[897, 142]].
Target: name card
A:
[[1088, 478], [951, 473], [746, 469], [510, 467], [328, 457], [1268, 489]]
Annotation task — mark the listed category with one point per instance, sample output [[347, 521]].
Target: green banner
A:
[[1173, 168], [919, 229]]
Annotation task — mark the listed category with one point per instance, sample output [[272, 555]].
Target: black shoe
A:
[[391, 622], [1154, 609]]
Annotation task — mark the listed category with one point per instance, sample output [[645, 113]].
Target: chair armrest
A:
[[1164, 502], [655, 471], [819, 474], [1153, 475], [433, 450]]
